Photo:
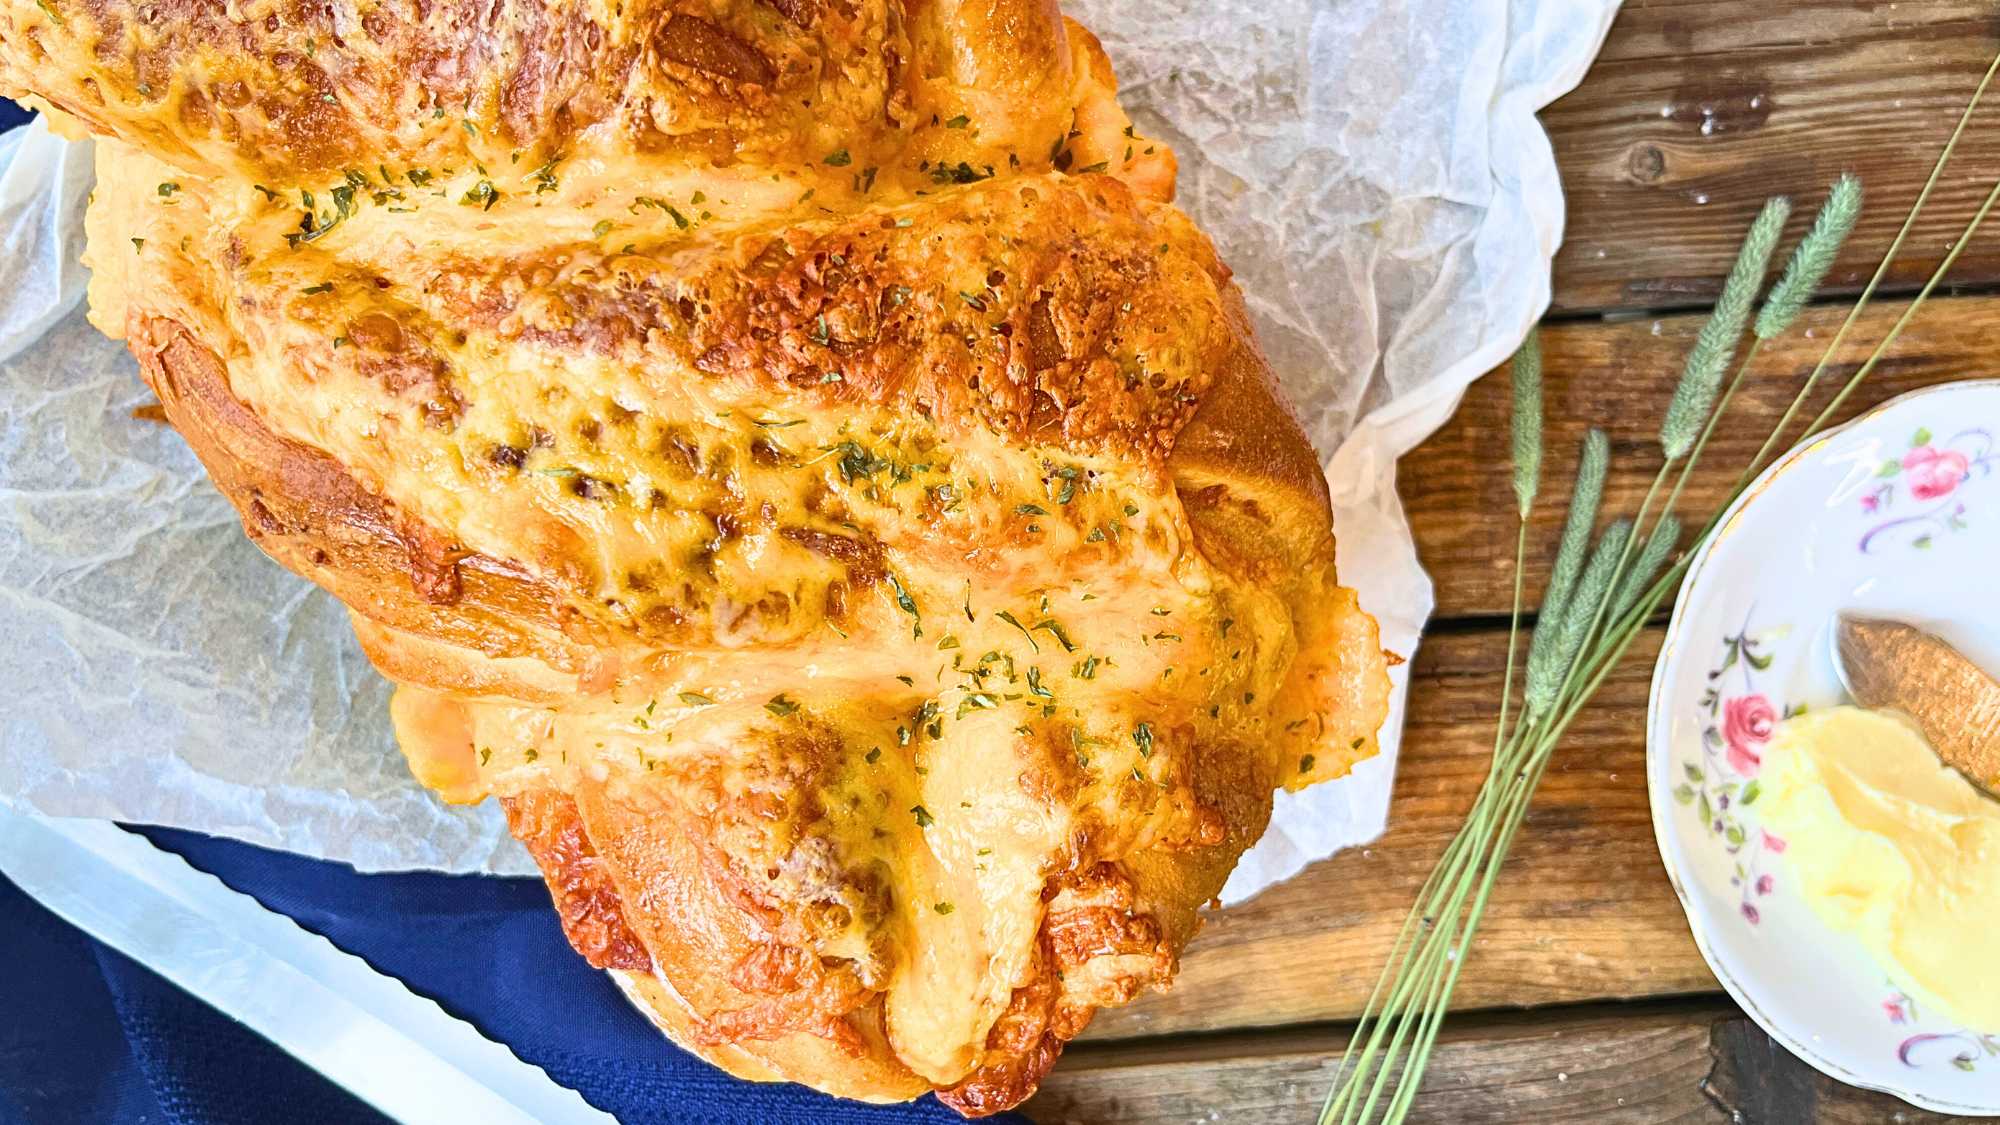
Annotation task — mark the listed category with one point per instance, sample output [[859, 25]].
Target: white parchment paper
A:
[[1371, 169]]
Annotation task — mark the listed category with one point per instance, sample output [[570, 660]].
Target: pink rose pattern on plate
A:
[[1922, 493], [1735, 726], [1747, 724], [1932, 475]]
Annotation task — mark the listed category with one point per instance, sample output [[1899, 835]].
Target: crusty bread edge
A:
[[774, 1060]]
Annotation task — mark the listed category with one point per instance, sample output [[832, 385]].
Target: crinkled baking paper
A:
[[1371, 169]]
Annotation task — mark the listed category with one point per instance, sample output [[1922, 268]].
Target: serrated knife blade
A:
[[1896, 665], [328, 1008]]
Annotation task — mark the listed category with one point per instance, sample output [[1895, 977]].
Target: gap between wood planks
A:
[[1619, 376], [1840, 301]]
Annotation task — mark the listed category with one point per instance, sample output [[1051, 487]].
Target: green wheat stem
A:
[[1516, 771], [1527, 423], [1716, 344], [1470, 841], [1513, 636], [1339, 1104], [1619, 577], [1527, 433], [1661, 586], [1721, 406], [1444, 980], [1575, 637], [1592, 467], [1408, 945], [1592, 595], [1543, 672], [1385, 999], [1610, 651], [1433, 1019], [1433, 1016], [1811, 259], [1619, 631], [1593, 590], [1448, 868], [1615, 640], [1405, 964], [1540, 739], [1427, 979], [1903, 321], [1868, 366], [1436, 950], [1391, 1053], [1400, 955], [1659, 544], [1443, 944], [1875, 281], [1390, 1022], [1519, 795]]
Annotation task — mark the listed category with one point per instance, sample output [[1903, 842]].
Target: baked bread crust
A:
[[792, 454]]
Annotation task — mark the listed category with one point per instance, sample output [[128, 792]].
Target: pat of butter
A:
[[1887, 843]]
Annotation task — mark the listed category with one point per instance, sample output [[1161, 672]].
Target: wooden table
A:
[[1585, 998]]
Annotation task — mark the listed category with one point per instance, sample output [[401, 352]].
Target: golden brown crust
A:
[[709, 948], [792, 453], [586, 898], [1025, 1042], [305, 510], [288, 93]]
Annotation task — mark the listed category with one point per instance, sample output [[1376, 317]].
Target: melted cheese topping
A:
[[1040, 653], [685, 495]]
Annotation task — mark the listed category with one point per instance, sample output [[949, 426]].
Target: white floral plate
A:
[[1898, 514]]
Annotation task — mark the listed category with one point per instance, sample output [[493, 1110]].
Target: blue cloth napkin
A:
[[89, 1036]]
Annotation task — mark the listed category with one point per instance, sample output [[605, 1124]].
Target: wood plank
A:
[[1584, 910], [1619, 376], [1696, 110], [1639, 1067], [1692, 1062]]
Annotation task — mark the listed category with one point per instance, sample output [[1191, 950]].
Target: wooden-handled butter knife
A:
[[1955, 702]]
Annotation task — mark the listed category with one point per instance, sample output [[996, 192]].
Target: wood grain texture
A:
[[1697, 110], [1584, 910], [1644, 1067], [1696, 1061], [1619, 376]]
